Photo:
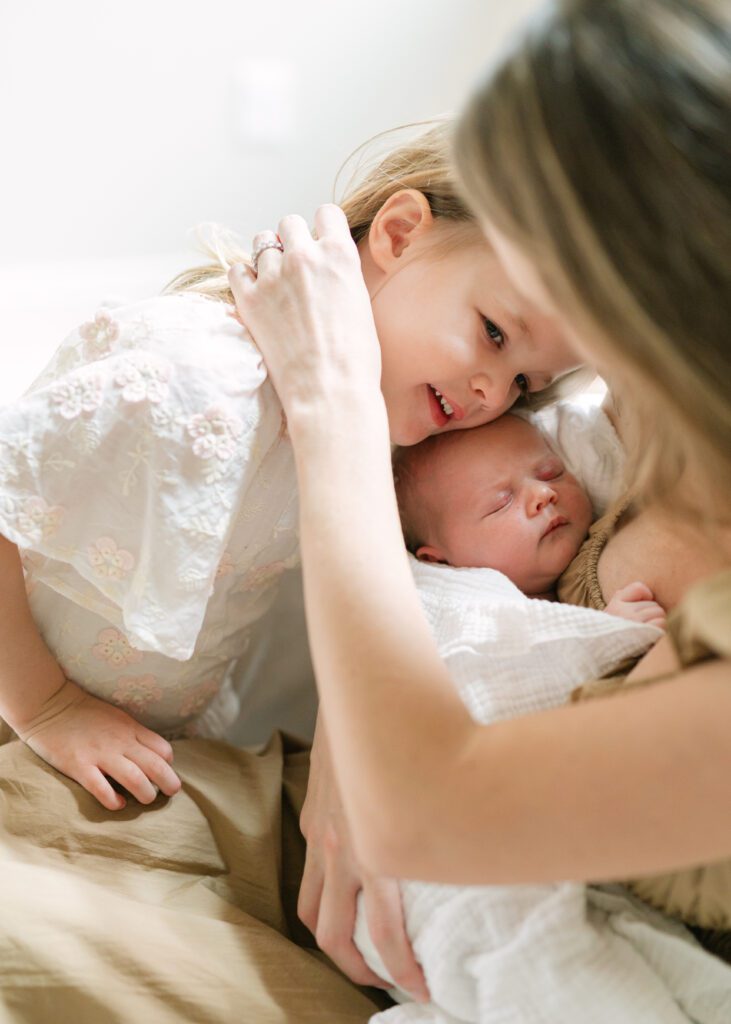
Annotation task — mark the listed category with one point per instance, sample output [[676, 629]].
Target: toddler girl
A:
[[148, 480]]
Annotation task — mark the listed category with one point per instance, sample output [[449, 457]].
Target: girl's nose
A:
[[539, 496], [492, 392]]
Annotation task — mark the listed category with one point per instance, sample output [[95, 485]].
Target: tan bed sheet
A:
[[181, 911]]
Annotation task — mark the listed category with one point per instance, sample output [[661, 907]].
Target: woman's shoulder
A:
[[700, 626]]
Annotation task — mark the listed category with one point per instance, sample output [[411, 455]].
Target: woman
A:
[[596, 157]]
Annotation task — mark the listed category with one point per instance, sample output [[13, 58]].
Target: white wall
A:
[[126, 124]]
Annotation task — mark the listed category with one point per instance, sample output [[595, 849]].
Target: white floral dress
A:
[[149, 482]]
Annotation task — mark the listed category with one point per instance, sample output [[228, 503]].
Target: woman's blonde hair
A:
[[600, 146], [424, 163]]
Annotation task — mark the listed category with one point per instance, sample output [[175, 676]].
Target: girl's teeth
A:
[[443, 402]]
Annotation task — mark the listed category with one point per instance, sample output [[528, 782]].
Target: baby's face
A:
[[499, 497]]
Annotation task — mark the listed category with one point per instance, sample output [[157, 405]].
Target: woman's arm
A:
[[627, 785], [609, 788]]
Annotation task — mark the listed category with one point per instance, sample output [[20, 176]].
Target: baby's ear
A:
[[428, 554]]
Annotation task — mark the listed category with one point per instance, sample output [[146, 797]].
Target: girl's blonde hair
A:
[[600, 146], [423, 163]]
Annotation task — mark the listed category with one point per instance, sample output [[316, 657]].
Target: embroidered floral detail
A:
[[39, 521], [225, 566], [109, 561], [143, 379], [100, 332], [135, 692], [75, 395], [199, 697], [114, 647], [215, 433], [265, 575]]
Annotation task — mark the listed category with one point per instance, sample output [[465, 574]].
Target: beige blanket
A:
[[183, 911]]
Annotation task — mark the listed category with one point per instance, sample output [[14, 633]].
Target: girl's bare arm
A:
[[29, 674], [83, 737]]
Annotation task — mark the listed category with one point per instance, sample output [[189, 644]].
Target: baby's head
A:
[[496, 496]]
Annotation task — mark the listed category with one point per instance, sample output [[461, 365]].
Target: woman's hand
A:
[[88, 739], [309, 312], [330, 885]]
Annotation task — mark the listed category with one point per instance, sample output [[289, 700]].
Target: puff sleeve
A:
[[122, 469]]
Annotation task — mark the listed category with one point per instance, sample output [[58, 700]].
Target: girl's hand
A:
[[637, 603], [309, 312], [331, 882], [88, 739]]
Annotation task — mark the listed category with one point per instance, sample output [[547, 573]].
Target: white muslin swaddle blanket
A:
[[563, 953]]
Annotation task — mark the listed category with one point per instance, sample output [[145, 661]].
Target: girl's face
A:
[[450, 322]]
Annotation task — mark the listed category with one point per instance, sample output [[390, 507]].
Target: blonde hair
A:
[[423, 163], [600, 146]]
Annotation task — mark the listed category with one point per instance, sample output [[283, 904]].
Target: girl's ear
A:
[[429, 554], [403, 218]]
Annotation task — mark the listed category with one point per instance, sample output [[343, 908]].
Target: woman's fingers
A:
[[331, 222], [266, 252], [336, 923], [385, 917], [310, 894], [294, 232]]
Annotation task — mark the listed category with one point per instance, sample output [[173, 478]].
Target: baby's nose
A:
[[539, 497]]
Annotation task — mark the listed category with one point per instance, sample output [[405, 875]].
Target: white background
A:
[[124, 125]]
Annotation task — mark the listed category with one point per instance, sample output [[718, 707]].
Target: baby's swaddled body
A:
[[538, 954], [148, 481]]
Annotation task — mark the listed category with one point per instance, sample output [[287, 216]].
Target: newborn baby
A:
[[499, 497]]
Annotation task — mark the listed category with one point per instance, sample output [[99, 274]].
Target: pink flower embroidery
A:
[[199, 697], [215, 433], [76, 395], [100, 332], [108, 561], [263, 575], [225, 566], [39, 521], [135, 692], [114, 647], [143, 378]]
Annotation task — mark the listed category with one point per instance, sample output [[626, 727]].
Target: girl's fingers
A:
[[156, 769], [331, 222], [93, 780], [155, 742], [131, 776]]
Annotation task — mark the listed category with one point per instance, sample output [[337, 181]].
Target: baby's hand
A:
[[636, 602], [86, 739]]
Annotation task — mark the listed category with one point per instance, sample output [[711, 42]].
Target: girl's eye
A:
[[523, 383], [494, 332]]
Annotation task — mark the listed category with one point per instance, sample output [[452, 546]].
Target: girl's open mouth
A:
[[441, 410]]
